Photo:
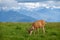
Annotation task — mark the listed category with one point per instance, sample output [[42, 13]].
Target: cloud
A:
[[14, 5], [31, 9], [9, 4]]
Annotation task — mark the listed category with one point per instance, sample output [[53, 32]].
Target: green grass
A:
[[18, 31]]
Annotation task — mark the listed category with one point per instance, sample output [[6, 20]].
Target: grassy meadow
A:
[[18, 31]]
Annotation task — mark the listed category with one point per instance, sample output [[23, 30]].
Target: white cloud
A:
[[32, 5], [0, 0], [8, 4], [14, 5], [56, 6]]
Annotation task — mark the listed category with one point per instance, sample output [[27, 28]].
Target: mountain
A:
[[13, 16], [24, 15]]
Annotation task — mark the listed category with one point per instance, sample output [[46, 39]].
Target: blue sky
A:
[[48, 10]]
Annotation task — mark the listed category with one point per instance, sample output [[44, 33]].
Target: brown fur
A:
[[36, 25]]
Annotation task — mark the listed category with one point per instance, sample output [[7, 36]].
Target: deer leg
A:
[[35, 31], [43, 30], [31, 32]]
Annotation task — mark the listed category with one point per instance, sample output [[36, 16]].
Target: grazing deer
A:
[[36, 25]]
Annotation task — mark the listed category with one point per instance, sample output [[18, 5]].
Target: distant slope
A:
[[12, 16], [23, 15]]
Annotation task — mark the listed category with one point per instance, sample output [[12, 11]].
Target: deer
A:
[[36, 25]]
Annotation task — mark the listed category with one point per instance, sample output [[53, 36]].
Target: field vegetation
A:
[[19, 31]]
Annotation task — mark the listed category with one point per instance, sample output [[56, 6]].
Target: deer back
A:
[[38, 24]]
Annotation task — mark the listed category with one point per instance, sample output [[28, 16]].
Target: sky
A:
[[48, 10]]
